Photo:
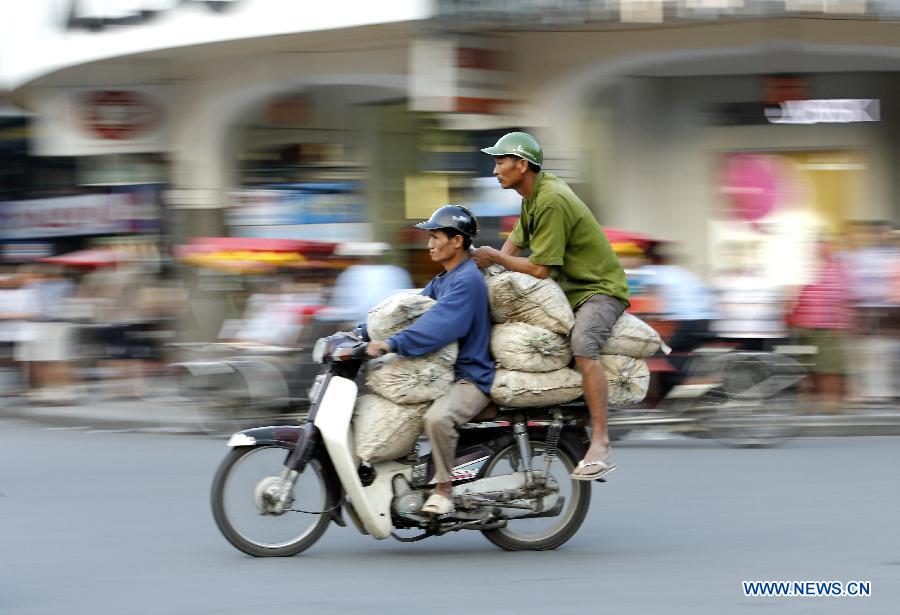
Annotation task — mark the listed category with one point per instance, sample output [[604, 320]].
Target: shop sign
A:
[[312, 203], [94, 16], [87, 214], [119, 114], [822, 111], [25, 252], [826, 111], [91, 121]]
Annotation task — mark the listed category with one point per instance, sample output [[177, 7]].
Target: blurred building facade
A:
[[734, 127]]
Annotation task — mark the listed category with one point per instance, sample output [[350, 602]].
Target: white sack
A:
[[396, 313], [519, 297], [383, 430], [632, 337], [526, 348], [525, 390], [407, 380], [627, 379]]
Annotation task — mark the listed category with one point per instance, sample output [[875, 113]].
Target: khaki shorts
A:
[[829, 357], [594, 321]]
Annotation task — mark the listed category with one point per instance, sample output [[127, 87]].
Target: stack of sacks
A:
[[387, 423], [532, 348], [531, 343]]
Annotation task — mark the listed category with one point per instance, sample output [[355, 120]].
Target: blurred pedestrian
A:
[[365, 284], [750, 306], [685, 301], [114, 291], [682, 297], [821, 317], [15, 311], [869, 262], [47, 348]]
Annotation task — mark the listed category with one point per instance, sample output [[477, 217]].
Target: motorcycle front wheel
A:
[[245, 522], [543, 533]]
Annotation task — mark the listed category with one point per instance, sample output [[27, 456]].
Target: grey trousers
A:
[[461, 403]]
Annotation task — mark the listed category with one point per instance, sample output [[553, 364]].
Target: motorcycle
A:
[[279, 487]]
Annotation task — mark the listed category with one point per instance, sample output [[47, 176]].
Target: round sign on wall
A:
[[752, 185], [119, 114]]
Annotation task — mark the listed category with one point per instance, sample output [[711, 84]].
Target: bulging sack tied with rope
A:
[[396, 313], [383, 430], [531, 346], [519, 297], [413, 380]]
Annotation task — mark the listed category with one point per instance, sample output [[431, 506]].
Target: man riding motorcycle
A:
[[567, 243], [461, 315]]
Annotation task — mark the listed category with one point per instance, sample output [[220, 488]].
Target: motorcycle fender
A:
[[290, 434], [261, 436]]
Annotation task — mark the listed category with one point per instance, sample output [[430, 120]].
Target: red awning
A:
[[313, 249], [87, 258], [617, 235]]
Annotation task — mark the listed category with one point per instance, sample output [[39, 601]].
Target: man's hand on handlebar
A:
[[377, 349]]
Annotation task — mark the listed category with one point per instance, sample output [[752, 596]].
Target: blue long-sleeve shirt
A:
[[462, 315]]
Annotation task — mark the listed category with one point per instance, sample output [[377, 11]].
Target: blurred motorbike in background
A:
[[737, 397]]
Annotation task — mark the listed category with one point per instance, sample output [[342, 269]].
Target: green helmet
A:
[[519, 144]]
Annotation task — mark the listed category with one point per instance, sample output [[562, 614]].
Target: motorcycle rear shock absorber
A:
[[554, 431]]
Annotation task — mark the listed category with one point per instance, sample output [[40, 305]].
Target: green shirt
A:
[[562, 233]]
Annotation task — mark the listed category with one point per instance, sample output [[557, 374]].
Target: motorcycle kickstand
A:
[[416, 538]]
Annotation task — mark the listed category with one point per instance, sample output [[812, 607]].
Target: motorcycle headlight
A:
[[318, 352]]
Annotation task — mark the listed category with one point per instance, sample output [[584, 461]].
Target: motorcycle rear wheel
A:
[[238, 518], [515, 537]]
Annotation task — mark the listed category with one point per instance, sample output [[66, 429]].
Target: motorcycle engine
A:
[[406, 501], [409, 503]]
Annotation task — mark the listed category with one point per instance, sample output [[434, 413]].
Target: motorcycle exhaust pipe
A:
[[553, 512]]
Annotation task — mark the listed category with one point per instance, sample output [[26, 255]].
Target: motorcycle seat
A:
[[488, 414]]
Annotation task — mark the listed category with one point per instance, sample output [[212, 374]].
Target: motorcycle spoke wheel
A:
[[542, 533], [753, 414], [239, 518], [755, 424]]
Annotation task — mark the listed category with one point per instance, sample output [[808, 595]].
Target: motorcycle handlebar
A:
[[350, 352]]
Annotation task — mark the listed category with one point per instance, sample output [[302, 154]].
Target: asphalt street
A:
[[100, 521]]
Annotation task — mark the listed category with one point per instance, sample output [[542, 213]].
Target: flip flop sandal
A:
[[604, 468], [438, 505]]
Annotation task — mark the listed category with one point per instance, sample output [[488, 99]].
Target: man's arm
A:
[[447, 321], [377, 348], [509, 258]]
